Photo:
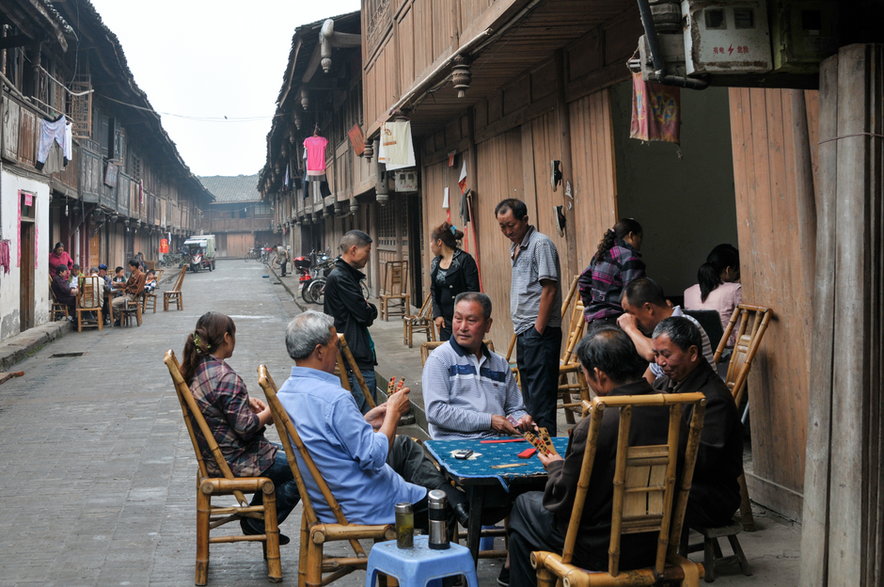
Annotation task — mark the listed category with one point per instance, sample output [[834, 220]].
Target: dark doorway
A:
[[26, 269], [415, 249]]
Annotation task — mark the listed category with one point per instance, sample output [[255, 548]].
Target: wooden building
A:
[[548, 82], [238, 218], [125, 186]]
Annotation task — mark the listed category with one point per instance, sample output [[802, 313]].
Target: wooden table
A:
[[477, 474]]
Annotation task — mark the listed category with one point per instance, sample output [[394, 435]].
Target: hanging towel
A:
[[315, 147], [357, 139], [4, 256], [396, 150], [53, 131], [656, 111]]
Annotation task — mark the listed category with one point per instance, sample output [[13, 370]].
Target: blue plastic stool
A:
[[418, 566]]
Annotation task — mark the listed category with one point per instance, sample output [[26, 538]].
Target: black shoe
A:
[[503, 579], [248, 530], [462, 513]]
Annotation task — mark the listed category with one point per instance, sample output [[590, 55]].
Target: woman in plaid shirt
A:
[[237, 420], [616, 262]]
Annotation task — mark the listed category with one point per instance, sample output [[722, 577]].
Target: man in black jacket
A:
[[539, 520], [352, 313], [715, 492]]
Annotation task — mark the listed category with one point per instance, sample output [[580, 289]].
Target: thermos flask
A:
[[436, 506], [404, 525]]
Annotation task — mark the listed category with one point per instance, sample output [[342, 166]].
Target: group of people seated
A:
[[70, 284], [470, 393]]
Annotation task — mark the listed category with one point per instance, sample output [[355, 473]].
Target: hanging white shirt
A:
[[396, 150]]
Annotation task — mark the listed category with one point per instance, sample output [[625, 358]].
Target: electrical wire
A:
[[195, 118]]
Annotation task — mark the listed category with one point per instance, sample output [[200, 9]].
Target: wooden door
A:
[[26, 275]]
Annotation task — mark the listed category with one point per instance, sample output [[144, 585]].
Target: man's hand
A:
[[501, 424], [525, 423], [440, 322], [627, 322], [546, 459], [398, 402], [375, 416]]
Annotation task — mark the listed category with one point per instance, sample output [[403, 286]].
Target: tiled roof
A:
[[232, 188]]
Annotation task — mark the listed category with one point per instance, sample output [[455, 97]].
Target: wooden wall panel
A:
[[423, 42], [772, 268], [405, 41], [498, 176], [595, 189], [444, 12]]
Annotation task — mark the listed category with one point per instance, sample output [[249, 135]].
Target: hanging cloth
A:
[[4, 256], [315, 147], [656, 111], [54, 131], [396, 150]]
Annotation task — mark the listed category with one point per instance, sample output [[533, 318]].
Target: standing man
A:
[[282, 256], [352, 312], [535, 307]]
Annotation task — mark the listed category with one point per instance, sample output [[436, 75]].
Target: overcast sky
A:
[[210, 59]]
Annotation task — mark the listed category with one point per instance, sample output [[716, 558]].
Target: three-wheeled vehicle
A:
[[201, 252]]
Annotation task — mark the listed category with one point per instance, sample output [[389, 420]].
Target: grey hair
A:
[[305, 331], [354, 238], [475, 296], [681, 331]]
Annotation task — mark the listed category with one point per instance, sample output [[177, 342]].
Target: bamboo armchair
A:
[[315, 567], [646, 498], [341, 370], [571, 379], [174, 295], [59, 310], [208, 516], [89, 300], [430, 345], [420, 322], [395, 289]]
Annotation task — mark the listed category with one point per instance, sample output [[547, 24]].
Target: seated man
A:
[[715, 493], [368, 468], [539, 520], [62, 290], [645, 306], [470, 391], [133, 286]]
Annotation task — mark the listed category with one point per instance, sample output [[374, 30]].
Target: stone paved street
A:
[[98, 471]]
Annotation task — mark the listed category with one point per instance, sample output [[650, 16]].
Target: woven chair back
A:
[[91, 293], [750, 323], [645, 498]]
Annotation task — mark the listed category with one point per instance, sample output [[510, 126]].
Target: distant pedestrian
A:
[[352, 312], [59, 256], [452, 271], [282, 256], [535, 307], [237, 420]]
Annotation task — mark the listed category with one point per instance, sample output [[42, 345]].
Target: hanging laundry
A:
[[656, 111], [357, 139], [315, 147], [54, 131], [396, 150], [4, 256]]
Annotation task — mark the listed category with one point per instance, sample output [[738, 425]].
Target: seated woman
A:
[[718, 286], [237, 420]]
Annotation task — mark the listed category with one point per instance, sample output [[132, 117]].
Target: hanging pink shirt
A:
[[315, 147]]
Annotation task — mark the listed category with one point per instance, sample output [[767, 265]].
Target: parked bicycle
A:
[[314, 291]]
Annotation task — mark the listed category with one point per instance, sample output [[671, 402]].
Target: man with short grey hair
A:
[[367, 466], [351, 311]]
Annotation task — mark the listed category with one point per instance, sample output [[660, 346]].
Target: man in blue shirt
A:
[[368, 468]]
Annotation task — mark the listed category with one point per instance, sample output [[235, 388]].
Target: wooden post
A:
[[844, 504]]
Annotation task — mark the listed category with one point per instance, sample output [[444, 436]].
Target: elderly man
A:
[[131, 288], [539, 520], [535, 307], [368, 468], [62, 290], [352, 313], [715, 493], [470, 391], [645, 306]]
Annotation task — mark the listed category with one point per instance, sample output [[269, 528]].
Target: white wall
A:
[[683, 196], [10, 184]]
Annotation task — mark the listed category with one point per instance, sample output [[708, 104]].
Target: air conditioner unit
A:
[[726, 37]]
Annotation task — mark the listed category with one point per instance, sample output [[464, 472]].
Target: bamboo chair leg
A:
[[203, 512], [302, 552], [271, 530], [745, 507], [313, 576]]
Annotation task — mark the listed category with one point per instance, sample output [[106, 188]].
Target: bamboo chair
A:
[[315, 567], [59, 310], [645, 497], [208, 516], [345, 359], [571, 379], [429, 346], [149, 299], [420, 322], [395, 289], [514, 364], [174, 295], [89, 300], [133, 309], [753, 322]]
